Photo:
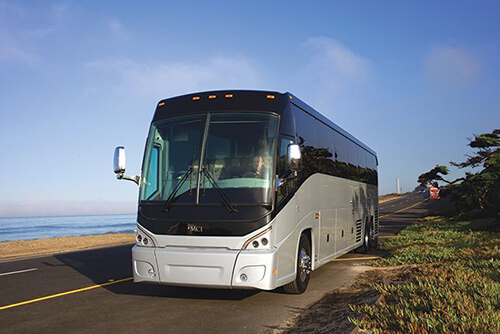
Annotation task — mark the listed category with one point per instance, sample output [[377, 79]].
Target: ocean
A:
[[28, 228]]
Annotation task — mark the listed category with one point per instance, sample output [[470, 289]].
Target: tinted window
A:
[[362, 157], [306, 128], [325, 137], [340, 145], [372, 162], [352, 153]]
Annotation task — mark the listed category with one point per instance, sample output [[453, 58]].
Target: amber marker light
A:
[[229, 96], [196, 98], [317, 215], [270, 96], [161, 104], [212, 96]]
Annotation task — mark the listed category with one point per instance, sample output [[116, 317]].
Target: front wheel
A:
[[299, 285]]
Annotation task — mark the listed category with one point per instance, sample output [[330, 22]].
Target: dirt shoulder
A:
[[27, 248], [331, 314]]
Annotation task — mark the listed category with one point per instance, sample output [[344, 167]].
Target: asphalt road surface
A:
[[92, 292]]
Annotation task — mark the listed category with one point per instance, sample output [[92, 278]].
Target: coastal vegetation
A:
[[446, 279], [445, 272]]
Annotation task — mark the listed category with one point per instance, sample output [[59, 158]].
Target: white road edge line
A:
[[18, 272]]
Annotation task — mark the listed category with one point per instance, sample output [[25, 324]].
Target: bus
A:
[[248, 190]]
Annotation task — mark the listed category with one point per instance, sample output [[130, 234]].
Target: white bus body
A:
[[328, 200]]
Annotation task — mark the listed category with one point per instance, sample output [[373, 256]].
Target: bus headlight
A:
[[260, 241], [142, 239]]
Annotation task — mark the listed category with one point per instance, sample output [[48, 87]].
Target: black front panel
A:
[[205, 220]]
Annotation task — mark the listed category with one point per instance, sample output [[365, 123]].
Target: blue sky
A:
[[412, 80]]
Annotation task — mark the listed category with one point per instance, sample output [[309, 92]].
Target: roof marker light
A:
[[229, 96], [161, 104], [270, 96], [290, 96], [212, 96], [196, 98]]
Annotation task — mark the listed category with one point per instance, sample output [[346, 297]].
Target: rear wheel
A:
[[299, 285]]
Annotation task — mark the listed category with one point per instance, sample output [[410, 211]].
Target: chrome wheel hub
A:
[[304, 265]]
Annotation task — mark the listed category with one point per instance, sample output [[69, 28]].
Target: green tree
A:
[[477, 192], [433, 175]]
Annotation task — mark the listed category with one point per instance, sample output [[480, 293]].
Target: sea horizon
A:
[[70, 215], [39, 227]]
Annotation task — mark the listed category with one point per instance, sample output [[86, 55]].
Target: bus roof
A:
[[242, 100]]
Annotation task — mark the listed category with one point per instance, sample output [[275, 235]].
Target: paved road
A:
[[63, 295]]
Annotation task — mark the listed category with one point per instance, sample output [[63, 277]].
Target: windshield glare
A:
[[238, 155]]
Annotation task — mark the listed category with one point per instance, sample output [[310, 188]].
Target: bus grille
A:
[[359, 225]]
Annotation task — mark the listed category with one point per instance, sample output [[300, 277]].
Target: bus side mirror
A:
[[119, 166], [119, 160], [294, 156]]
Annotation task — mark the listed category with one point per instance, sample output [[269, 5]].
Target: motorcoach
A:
[[248, 189]]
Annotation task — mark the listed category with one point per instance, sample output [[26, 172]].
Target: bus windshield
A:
[[237, 158]]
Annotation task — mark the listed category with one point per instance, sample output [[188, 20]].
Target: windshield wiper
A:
[[170, 198], [228, 204]]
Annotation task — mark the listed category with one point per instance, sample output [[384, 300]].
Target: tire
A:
[[299, 285], [367, 241]]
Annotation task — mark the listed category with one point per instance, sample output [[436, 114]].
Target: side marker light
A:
[[196, 98], [212, 96], [270, 96], [229, 96], [161, 104]]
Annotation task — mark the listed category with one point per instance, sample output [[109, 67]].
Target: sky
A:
[[411, 79]]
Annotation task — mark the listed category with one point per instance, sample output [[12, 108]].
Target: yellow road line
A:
[[64, 293], [358, 258], [411, 206]]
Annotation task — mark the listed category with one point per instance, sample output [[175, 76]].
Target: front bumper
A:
[[205, 267]]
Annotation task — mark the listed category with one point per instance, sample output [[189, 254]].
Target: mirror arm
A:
[[135, 178]]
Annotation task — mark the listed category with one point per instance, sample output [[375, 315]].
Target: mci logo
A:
[[195, 228]]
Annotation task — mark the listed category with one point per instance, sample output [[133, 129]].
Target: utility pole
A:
[[398, 186]]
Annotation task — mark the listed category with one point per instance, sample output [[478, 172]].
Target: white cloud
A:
[[333, 70], [157, 79], [335, 60], [450, 67], [118, 30]]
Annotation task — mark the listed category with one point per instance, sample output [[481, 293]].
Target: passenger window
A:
[[306, 128], [340, 147]]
